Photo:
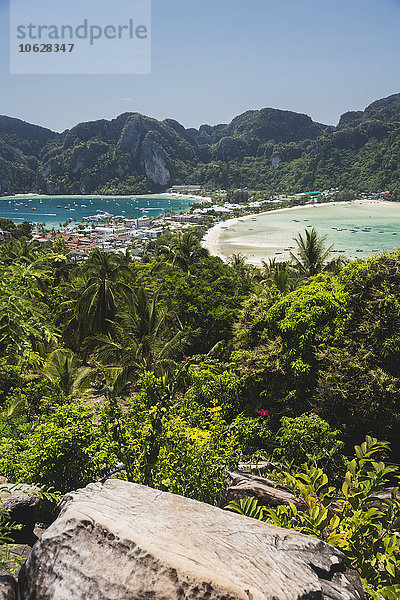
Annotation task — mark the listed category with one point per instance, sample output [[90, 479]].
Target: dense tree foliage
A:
[[180, 365]]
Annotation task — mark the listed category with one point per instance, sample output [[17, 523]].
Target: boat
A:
[[33, 208], [59, 206]]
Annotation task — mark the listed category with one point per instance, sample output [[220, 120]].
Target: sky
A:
[[214, 59]]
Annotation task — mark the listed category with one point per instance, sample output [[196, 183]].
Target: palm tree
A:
[[96, 305], [125, 261], [185, 250], [281, 274], [61, 266], [237, 261], [248, 273], [61, 368], [24, 329], [312, 252], [136, 345], [336, 264], [19, 250], [30, 276]]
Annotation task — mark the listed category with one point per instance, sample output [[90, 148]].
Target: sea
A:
[[356, 230], [55, 210]]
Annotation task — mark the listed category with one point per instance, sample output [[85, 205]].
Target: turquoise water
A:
[[39, 209], [271, 234]]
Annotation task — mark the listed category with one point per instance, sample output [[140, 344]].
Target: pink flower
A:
[[251, 367], [184, 356], [263, 412]]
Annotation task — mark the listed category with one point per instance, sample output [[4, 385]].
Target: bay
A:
[[357, 229], [54, 210]]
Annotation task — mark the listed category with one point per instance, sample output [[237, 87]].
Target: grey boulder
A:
[[122, 541], [8, 588], [18, 504], [267, 492]]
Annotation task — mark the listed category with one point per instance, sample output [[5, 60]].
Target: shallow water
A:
[[271, 234], [39, 209]]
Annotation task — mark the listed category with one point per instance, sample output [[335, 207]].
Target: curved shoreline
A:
[[99, 196], [50, 209], [212, 239]]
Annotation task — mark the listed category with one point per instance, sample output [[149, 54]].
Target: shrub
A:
[[309, 438], [347, 517], [64, 452], [161, 445], [10, 378], [253, 433], [208, 387]]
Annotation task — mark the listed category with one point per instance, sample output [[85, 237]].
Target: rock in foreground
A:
[[243, 485], [18, 504], [8, 588], [122, 541]]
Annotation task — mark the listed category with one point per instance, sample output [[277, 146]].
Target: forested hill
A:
[[262, 149]]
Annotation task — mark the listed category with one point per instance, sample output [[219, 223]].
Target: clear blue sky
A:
[[213, 59]]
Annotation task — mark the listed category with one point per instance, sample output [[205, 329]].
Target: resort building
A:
[[176, 189], [143, 222], [185, 218]]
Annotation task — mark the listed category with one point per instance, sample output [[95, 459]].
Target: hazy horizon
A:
[[213, 61]]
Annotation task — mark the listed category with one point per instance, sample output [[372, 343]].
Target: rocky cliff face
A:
[[264, 148], [132, 135], [155, 160]]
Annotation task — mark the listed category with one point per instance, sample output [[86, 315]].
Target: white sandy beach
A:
[[212, 239], [186, 196]]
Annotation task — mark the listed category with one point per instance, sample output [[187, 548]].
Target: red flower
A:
[[251, 367], [263, 412]]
